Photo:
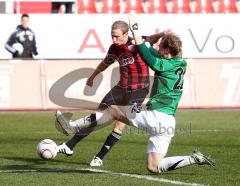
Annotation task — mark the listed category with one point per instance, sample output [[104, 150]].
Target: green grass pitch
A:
[[215, 132]]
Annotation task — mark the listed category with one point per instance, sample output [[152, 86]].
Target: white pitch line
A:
[[16, 171], [211, 130], [144, 177]]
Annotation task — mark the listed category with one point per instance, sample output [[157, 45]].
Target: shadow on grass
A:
[[32, 165], [31, 169], [38, 161]]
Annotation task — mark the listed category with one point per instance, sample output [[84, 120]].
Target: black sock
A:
[[83, 133], [75, 139], [109, 143]]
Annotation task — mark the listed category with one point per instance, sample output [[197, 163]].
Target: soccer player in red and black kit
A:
[[132, 87]]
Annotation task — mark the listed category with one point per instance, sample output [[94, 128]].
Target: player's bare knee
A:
[[119, 127]]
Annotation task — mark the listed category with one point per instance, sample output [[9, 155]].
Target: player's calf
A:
[[87, 123]]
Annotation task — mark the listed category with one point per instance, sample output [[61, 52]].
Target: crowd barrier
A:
[[60, 84]]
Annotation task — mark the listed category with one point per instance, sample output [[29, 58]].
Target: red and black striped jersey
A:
[[134, 72]]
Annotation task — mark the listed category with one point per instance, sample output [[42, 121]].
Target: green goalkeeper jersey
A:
[[168, 80]]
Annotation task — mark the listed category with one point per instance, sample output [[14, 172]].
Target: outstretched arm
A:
[[144, 51], [100, 68], [134, 29], [152, 39]]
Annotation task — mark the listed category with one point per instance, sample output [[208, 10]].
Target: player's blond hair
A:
[[122, 25], [173, 43]]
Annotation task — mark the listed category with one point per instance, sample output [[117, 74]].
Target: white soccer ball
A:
[[18, 47], [47, 149]]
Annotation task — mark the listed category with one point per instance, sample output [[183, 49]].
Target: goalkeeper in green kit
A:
[[157, 117]]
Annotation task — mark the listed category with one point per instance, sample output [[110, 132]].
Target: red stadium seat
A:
[[171, 6], [156, 6], [111, 6], [215, 6], [33, 7], [233, 6], [133, 6], [137, 6], [86, 6], [219, 6], [208, 7], [191, 6]]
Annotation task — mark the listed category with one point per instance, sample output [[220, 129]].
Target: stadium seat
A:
[[237, 4], [233, 6], [86, 6], [171, 6], [191, 6], [137, 6], [33, 7], [133, 6], [214, 6], [110, 6], [156, 6]]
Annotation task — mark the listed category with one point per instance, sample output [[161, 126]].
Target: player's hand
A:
[[90, 82], [168, 31], [133, 24]]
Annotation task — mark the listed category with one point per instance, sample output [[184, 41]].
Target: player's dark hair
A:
[[173, 43], [122, 25], [25, 15]]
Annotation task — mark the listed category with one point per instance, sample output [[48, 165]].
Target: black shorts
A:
[[121, 96]]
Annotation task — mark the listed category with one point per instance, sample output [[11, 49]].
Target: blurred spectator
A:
[[22, 43], [68, 7]]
